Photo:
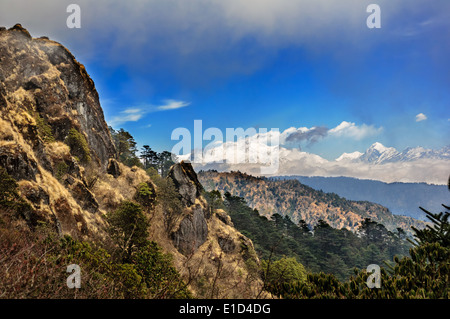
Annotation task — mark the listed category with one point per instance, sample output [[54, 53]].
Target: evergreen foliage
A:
[[326, 249], [10, 201], [424, 274], [161, 162], [79, 147], [128, 228], [127, 153], [145, 195], [125, 147], [285, 271]]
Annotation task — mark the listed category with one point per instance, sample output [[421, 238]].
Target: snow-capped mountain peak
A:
[[378, 147], [378, 153], [349, 156]]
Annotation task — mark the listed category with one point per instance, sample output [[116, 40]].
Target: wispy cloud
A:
[[135, 113], [128, 115], [421, 117], [172, 105]]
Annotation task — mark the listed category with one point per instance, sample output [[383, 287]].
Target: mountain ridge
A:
[[377, 153], [301, 202], [401, 198]]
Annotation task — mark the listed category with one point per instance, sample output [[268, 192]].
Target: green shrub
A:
[[145, 195], [44, 130], [10, 199], [285, 271], [61, 169], [128, 228], [159, 274], [78, 146]]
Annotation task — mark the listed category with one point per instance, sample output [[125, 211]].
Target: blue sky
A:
[[159, 65]]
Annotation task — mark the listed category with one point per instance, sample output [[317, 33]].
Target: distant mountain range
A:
[[400, 198], [378, 162], [377, 153]]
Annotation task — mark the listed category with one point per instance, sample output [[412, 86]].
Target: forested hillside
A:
[[320, 249], [301, 202]]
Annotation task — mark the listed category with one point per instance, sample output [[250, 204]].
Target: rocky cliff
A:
[[207, 244], [55, 143], [52, 131]]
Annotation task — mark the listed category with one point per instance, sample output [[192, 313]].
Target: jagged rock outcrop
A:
[[113, 168], [206, 240], [45, 96], [192, 230], [42, 78], [186, 182]]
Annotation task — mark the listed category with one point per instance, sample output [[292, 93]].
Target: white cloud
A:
[[134, 114], [172, 105], [128, 115], [421, 117], [296, 162], [350, 129], [132, 111]]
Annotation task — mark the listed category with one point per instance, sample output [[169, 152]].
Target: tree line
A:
[[148, 159]]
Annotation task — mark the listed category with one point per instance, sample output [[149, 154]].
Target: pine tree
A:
[[439, 232]]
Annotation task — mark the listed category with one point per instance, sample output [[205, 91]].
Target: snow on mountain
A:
[[378, 162], [349, 156], [377, 153]]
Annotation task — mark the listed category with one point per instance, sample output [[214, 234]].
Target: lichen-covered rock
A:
[[224, 217], [17, 162], [40, 76], [192, 232], [186, 182]]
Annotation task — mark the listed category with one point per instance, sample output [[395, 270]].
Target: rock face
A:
[[17, 162], [113, 168], [207, 243], [45, 94], [41, 77], [186, 182], [192, 230]]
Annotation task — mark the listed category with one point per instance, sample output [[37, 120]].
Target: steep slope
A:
[[206, 245], [55, 143], [53, 136], [300, 202]]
